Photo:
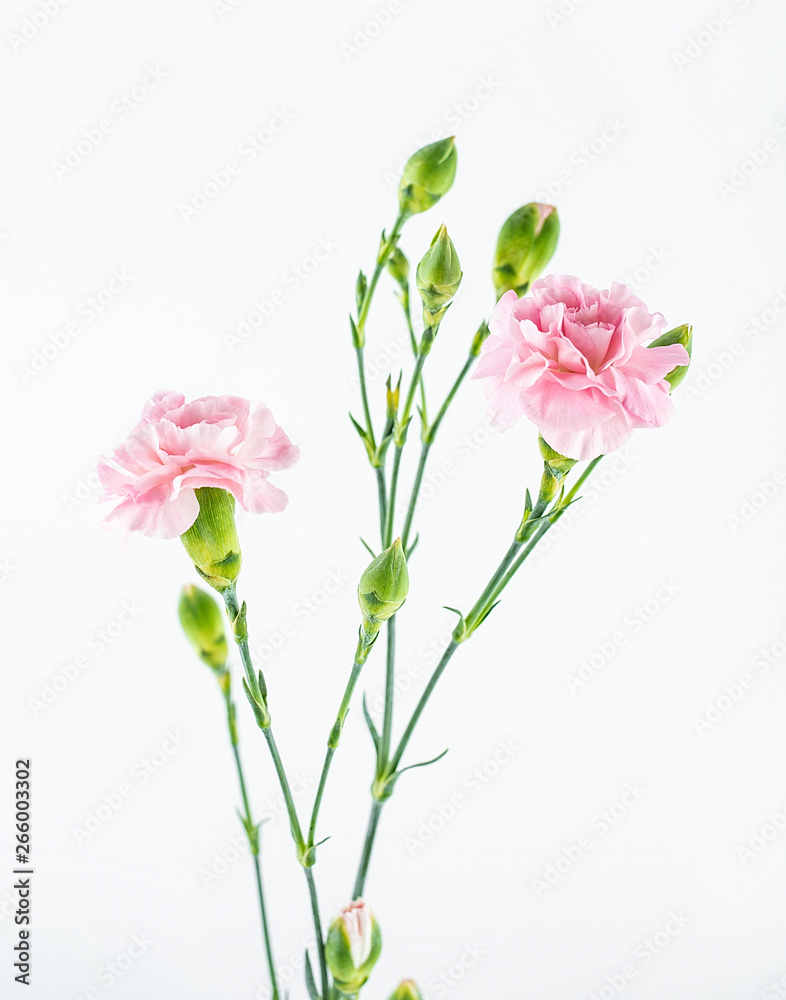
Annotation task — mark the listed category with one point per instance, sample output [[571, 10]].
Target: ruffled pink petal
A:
[[651, 364]]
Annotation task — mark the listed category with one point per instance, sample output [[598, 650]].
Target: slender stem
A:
[[364, 395], [368, 844], [253, 843], [390, 678], [405, 305], [400, 442], [294, 822], [502, 576], [382, 493], [428, 440], [382, 259], [312, 890], [361, 654]]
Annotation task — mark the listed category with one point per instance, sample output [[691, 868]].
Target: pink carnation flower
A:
[[572, 359], [177, 447]]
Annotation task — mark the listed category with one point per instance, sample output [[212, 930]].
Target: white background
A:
[[523, 90]]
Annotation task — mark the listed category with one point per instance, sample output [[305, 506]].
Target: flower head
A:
[[574, 361], [179, 447], [353, 946]]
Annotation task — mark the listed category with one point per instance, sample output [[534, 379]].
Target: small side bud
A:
[[479, 339], [557, 465], [398, 268], [427, 176], [525, 245], [203, 624], [383, 587], [406, 990], [438, 277], [353, 945], [682, 335], [392, 398], [212, 542]]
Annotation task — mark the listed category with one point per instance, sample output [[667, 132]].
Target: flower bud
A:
[[406, 990], [203, 625], [384, 586], [525, 245], [398, 267], [438, 277], [212, 541], [679, 335], [558, 465], [353, 946], [427, 175]]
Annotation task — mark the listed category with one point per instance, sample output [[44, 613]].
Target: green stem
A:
[[502, 576], [368, 844], [400, 441], [312, 891], [429, 435], [390, 678], [382, 260], [364, 395], [294, 822], [382, 493], [253, 843], [361, 655], [405, 305]]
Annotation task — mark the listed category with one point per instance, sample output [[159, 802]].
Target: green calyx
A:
[[212, 542]]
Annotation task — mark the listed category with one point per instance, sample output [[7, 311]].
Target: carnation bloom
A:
[[573, 360], [178, 447], [358, 925]]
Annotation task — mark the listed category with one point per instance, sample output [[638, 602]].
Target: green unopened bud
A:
[[212, 541], [558, 465], [438, 277], [525, 245], [406, 990], [398, 267], [353, 945], [428, 175], [384, 586], [203, 625], [679, 335]]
